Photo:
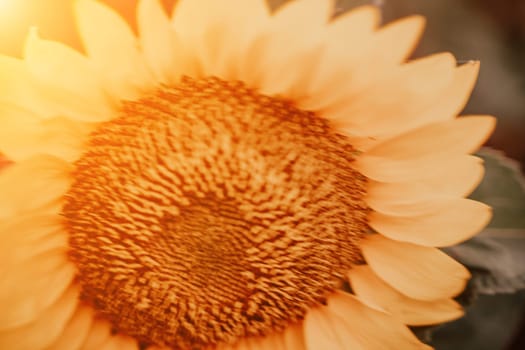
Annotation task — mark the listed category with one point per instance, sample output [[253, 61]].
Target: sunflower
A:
[[233, 178]]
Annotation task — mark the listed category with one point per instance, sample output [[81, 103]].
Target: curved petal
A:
[[323, 330], [290, 339], [98, 334], [191, 21], [294, 337], [457, 220], [19, 88], [357, 326], [166, 55], [403, 171], [457, 179], [47, 329], [283, 58], [405, 209], [406, 93], [372, 289], [459, 136], [334, 73], [34, 270], [447, 106], [268, 342], [422, 273], [155, 347], [219, 35], [76, 330], [120, 342], [388, 48], [26, 236], [113, 48], [58, 66], [30, 287], [456, 95], [396, 41], [37, 183], [23, 135]]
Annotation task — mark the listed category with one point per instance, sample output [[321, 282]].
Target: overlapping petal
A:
[[400, 115], [442, 223], [372, 289], [56, 66], [213, 34], [422, 273], [33, 185], [46, 330], [347, 323], [76, 330], [24, 135], [166, 55], [34, 270], [113, 49]]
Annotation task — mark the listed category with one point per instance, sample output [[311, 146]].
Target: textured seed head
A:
[[207, 212]]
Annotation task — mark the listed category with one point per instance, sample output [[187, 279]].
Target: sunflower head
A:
[[234, 178]]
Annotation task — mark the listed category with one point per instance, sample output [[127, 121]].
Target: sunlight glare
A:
[[5, 5], [8, 9]]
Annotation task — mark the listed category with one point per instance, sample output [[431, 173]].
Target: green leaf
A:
[[497, 255]]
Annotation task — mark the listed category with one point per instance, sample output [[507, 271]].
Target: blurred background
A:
[[492, 31]]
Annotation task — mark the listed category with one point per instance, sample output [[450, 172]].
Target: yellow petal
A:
[[447, 106], [23, 135], [457, 220], [268, 342], [98, 334], [422, 273], [290, 339], [371, 288], [26, 236], [76, 330], [456, 179], [389, 170], [292, 16], [155, 347], [397, 102], [113, 48], [190, 20], [293, 337], [372, 329], [291, 59], [37, 183], [282, 59], [401, 208], [364, 19], [47, 329], [166, 55], [324, 330], [30, 286], [293, 73], [58, 66], [396, 41], [20, 88], [119, 342], [219, 35], [333, 77], [372, 58], [389, 47], [456, 95], [459, 136]]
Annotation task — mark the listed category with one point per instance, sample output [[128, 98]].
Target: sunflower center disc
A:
[[207, 212]]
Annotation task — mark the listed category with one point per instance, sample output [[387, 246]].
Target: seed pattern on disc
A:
[[207, 212]]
